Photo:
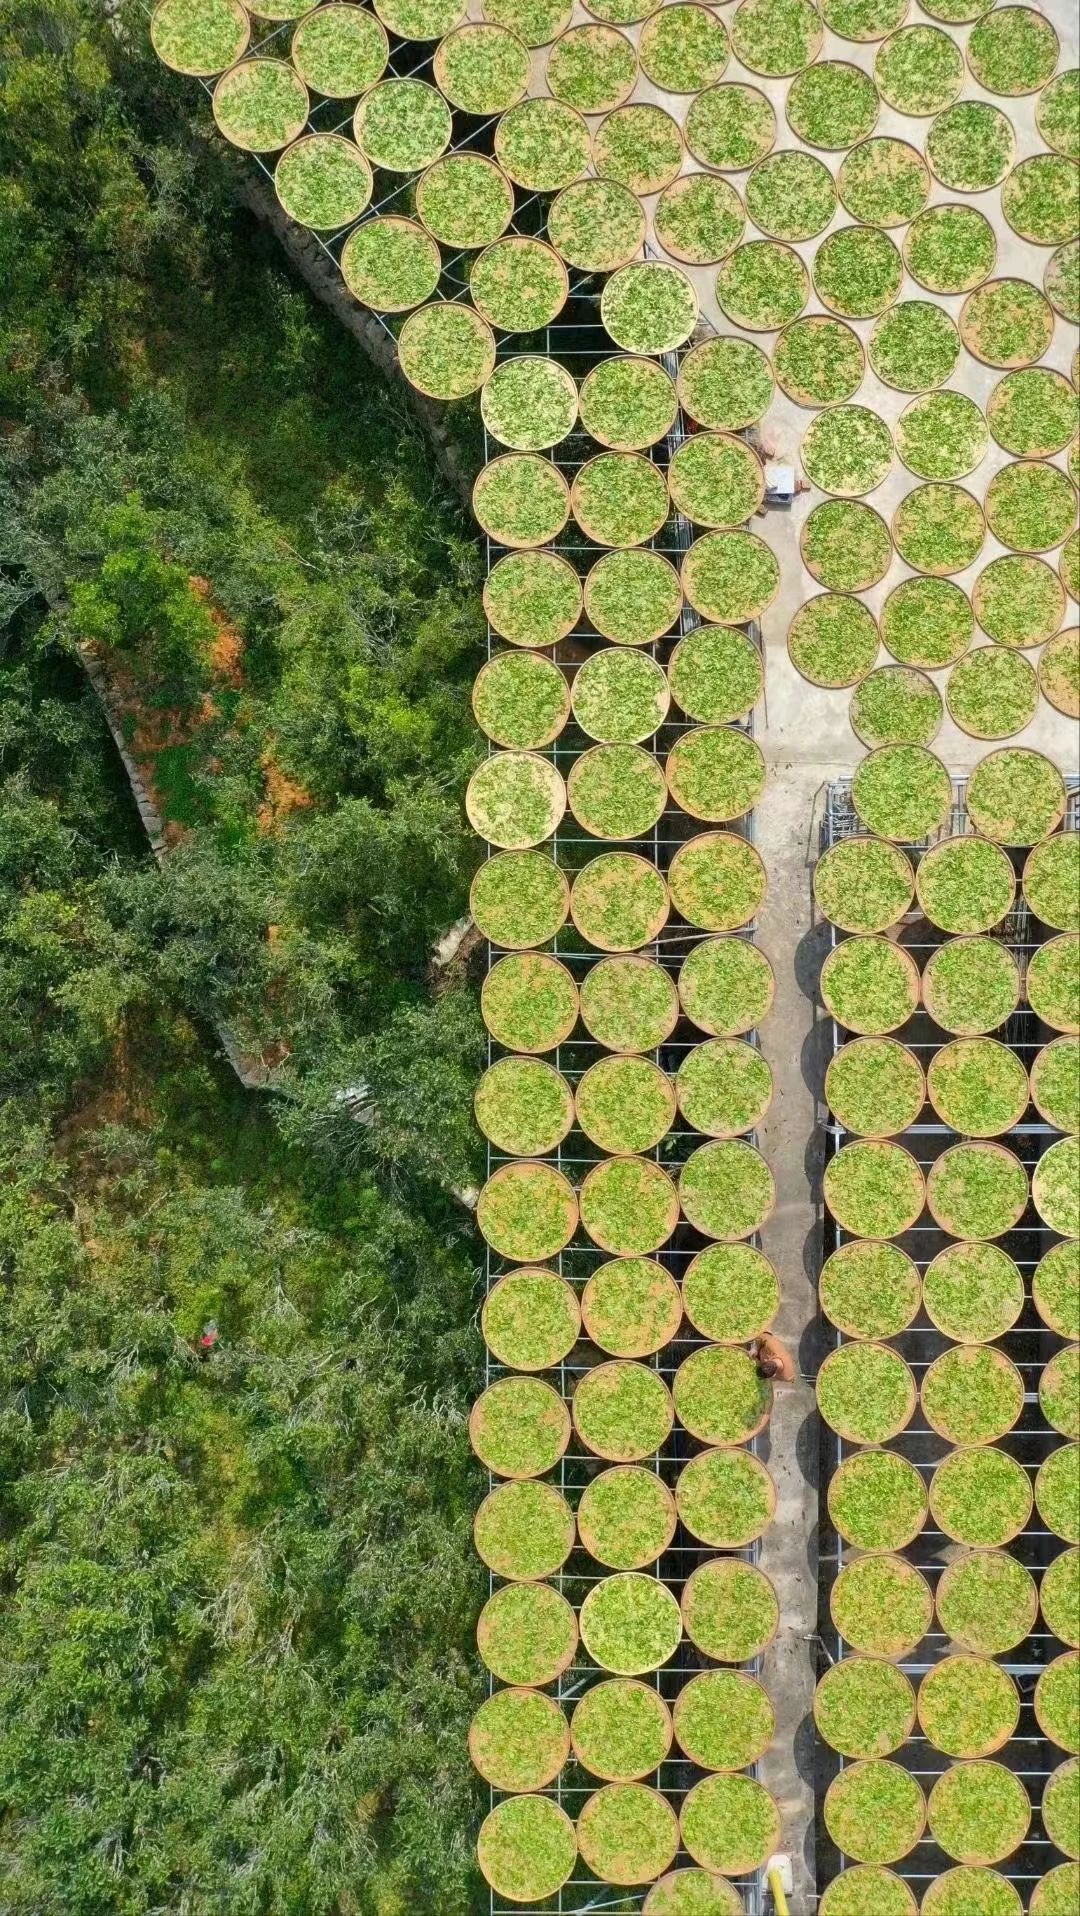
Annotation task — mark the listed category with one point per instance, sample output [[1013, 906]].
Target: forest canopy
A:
[[236, 1327]]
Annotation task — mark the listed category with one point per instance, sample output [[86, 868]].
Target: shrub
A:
[[631, 1307], [987, 1602], [524, 1530], [622, 1412], [530, 1320], [621, 1730], [864, 1708], [973, 1292], [881, 1606], [630, 1624], [869, 1289], [626, 1518]]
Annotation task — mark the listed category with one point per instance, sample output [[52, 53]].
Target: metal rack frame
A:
[[1029, 1344]]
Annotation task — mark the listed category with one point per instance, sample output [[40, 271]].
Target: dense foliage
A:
[[237, 1590]]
